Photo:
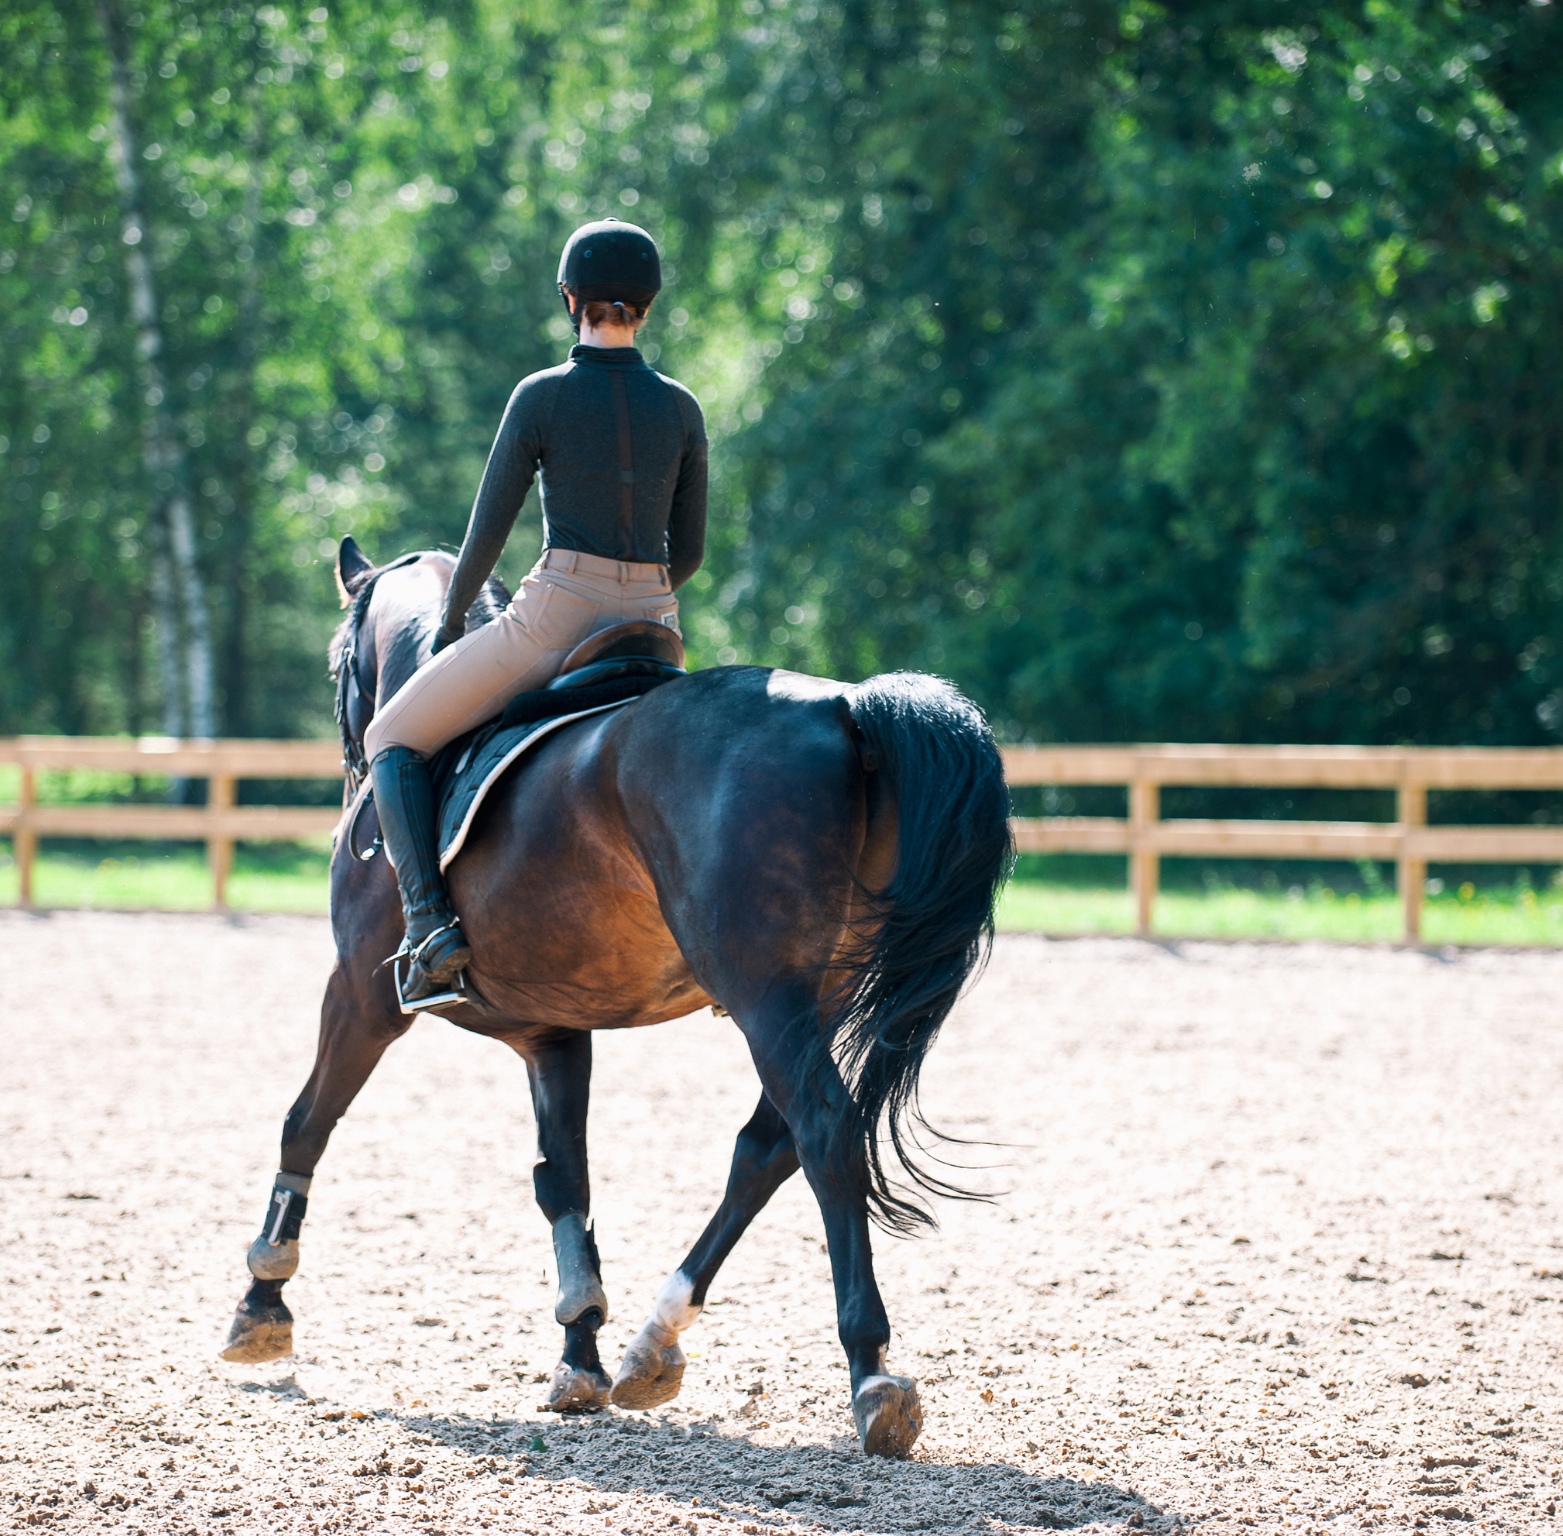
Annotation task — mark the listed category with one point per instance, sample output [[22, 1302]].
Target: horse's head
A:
[[393, 612]]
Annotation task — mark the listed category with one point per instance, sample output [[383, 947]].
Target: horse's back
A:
[[628, 867], [747, 798]]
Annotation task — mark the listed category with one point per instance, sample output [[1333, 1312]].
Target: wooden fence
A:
[[1143, 835], [219, 823], [1411, 772]]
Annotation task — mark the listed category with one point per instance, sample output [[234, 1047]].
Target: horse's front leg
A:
[[358, 1020], [560, 1072], [805, 1085], [763, 1160]]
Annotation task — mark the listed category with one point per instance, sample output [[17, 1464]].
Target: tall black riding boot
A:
[[404, 797]]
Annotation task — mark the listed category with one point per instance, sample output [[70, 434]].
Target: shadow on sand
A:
[[714, 1468]]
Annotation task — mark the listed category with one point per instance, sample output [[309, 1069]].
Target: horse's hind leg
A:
[[559, 1070], [357, 1022], [763, 1160], [810, 1094]]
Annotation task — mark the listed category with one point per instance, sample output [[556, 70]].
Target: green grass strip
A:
[[173, 877], [292, 877], [1461, 916]]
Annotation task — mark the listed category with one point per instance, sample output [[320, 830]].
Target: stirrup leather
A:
[[405, 959]]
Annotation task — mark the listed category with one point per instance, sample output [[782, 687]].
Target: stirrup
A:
[[402, 963]]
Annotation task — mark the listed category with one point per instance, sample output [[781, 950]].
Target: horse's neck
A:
[[403, 641], [404, 612], [400, 649]]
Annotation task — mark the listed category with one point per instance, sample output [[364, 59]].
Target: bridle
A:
[[349, 684]]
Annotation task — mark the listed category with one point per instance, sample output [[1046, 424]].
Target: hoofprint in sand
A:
[[1282, 1249]]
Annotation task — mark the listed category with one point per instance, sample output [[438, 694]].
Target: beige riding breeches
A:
[[566, 597]]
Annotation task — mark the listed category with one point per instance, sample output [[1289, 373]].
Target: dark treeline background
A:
[[1154, 371]]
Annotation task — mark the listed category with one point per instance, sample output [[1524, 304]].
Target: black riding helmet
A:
[[607, 261]]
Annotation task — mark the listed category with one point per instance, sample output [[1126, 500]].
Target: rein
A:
[[354, 763]]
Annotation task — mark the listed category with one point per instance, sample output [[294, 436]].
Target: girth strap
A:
[[621, 409]]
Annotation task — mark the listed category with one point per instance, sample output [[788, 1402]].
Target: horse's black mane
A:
[[488, 604]]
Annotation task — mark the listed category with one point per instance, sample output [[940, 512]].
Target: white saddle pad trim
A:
[[547, 728]]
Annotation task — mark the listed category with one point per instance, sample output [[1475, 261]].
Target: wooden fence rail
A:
[[220, 822], [1411, 772], [1143, 835]]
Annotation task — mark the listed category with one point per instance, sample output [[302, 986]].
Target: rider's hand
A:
[[444, 636]]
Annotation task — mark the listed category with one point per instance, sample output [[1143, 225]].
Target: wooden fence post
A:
[[221, 795], [24, 840], [1410, 873], [1144, 862]]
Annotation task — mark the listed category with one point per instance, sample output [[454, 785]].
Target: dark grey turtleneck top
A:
[[568, 424]]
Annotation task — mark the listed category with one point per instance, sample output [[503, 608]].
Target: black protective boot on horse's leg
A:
[[263, 1327], [357, 1022], [436, 947], [579, 1383], [559, 1070]]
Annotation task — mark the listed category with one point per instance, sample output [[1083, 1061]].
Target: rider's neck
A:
[[607, 335]]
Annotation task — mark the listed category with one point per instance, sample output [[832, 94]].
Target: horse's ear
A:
[[352, 569]]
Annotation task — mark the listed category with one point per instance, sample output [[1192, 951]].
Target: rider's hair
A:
[[596, 312]]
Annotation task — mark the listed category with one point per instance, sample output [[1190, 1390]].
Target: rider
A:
[[621, 451]]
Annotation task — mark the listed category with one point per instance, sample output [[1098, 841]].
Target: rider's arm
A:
[[508, 476], [687, 520]]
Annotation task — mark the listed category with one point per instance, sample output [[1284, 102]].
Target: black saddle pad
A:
[[463, 769]]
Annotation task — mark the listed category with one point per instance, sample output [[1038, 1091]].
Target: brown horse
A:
[[817, 860]]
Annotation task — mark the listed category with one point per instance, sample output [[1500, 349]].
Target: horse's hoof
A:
[[889, 1416], [649, 1375], [265, 1334], [575, 1390]]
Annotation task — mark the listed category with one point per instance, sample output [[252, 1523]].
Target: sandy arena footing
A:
[[1281, 1250]]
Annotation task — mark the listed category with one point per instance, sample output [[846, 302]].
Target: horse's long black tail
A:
[[929, 928]]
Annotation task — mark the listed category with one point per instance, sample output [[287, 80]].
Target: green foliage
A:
[[1262, 443], [1155, 372]]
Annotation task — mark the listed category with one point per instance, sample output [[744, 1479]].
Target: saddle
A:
[[605, 671], [639, 648]]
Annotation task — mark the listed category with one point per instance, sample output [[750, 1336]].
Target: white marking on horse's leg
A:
[[673, 1311], [580, 1284], [653, 1365]]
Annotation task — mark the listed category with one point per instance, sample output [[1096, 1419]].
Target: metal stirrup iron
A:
[[456, 993], [402, 963]]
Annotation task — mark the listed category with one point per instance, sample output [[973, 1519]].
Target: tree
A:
[[178, 591], [1152, 371]]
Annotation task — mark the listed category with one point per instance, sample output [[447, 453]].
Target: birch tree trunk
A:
[[184, 648], [241, 528]]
